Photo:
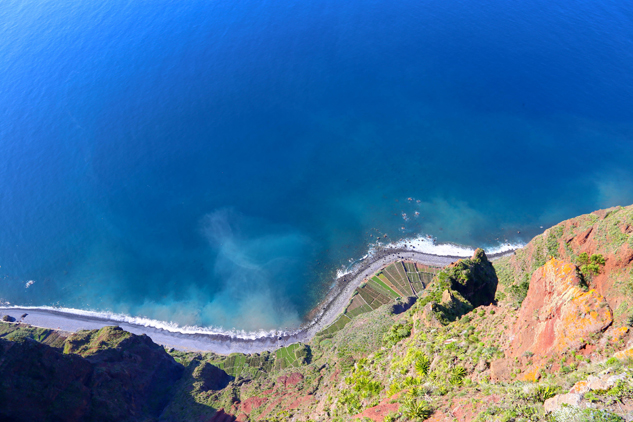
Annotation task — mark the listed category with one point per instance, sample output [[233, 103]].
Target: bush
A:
[[542, 393], [416, 410], [519, 291], [422, 365], [590, 265], [396, 333], [457, 375]]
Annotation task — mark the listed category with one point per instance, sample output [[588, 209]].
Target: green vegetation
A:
[[416, 410], [15, 332], [398, 280], [519, 291], [590, 265], [86, 343], [448, 353], [398, 332], [457, 375], [422, 365]]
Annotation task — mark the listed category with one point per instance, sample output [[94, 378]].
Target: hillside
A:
[[543, 334]]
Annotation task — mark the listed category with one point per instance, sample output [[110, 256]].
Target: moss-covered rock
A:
[[461, 287]]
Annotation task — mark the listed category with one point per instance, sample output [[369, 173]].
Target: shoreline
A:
[[225, 343]]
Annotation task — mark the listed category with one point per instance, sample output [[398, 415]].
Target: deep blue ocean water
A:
[[213, 163]]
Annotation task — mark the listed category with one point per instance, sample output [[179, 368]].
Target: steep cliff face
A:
[[132, 374], [39, 383], [475, 279], [103, 375], [559, 313]]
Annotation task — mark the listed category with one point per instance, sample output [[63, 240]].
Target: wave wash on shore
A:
[[229, 341]]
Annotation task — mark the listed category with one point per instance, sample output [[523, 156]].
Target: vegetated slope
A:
[[558, 333]]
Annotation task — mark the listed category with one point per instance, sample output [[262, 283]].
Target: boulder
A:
[[593, 383], [556, 402], [500, 370]]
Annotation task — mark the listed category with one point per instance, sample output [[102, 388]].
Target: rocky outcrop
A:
[[212, 377], [556, 402], [576, 394], [459, 288], [558, 314], [475, 279]]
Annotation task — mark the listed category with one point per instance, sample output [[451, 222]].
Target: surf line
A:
[[203, 339]]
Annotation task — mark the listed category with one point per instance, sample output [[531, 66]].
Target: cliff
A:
[[99, 375], [543, 334]]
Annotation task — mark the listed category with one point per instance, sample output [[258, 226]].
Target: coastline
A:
[[225, 343]]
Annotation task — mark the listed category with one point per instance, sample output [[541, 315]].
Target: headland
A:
[[207, 340]]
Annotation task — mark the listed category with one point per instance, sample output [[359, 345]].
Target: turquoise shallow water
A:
[[215, 163]]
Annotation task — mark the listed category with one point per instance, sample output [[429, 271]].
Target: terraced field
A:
[[254, 365], [398, 280]]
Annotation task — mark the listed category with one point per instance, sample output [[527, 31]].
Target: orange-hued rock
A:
[[533, 374], [290, 380], [252, 403], [624, 354], [500, 370], [379, 412], [558, 314]]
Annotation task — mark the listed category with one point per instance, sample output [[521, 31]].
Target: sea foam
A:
[[429, 245], [161, 325]]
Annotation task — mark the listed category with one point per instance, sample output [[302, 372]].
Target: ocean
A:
[[216, 163]]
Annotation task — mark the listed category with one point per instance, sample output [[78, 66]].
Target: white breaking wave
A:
[[343, 271], [163, 325], [423, 244], [354, 263], [429, 246]]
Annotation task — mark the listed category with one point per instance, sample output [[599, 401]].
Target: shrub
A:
[[457, 375], [590, 265], [416, 410], [542, 393], [396, 333], [519, 291], [621, 390], [422, 365]]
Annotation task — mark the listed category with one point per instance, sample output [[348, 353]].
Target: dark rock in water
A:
[[104, 375], [212, 377], [400, 307], [8, 318]]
